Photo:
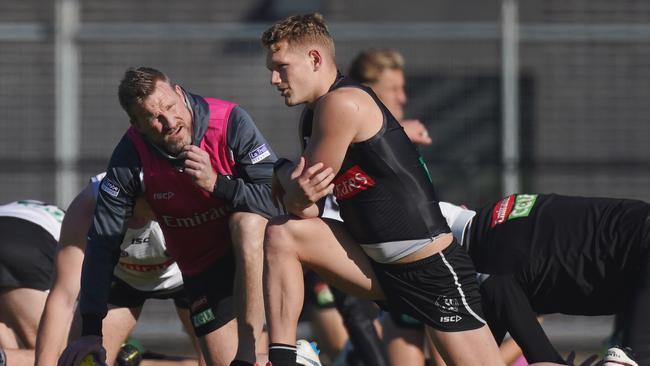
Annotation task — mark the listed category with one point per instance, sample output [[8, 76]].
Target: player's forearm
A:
[[54, 329], [246, 196]]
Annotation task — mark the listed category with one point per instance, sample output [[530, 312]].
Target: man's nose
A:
[[275, 78], [401, 97], [169, 121]]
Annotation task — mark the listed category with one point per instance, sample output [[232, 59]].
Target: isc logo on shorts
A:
[[451, 319]]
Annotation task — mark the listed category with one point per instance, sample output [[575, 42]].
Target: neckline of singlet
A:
[[339, 78]]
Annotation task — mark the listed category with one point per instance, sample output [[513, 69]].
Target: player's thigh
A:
[[21, 309], [404, 344], [325, 246], [7, 337], [116, 327], [469, 347]]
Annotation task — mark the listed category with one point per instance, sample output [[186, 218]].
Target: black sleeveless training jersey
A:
[[569, 254], [383, 188]]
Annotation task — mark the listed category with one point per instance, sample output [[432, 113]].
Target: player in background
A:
[[547, 253], [144, 271], [29, 232]]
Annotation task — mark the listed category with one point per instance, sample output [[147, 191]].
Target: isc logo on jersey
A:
[[163, 195], [136, 241], [513, 207], [350, 183]]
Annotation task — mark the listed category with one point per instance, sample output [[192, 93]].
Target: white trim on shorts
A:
[[460, 289]]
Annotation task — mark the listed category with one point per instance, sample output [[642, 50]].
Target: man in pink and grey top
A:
[[205, 170]]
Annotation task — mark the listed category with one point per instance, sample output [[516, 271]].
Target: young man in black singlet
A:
[[394, 245]]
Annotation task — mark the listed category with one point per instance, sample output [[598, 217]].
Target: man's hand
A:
[[416, 131], [199, 167], [77, 350], [305, 187]]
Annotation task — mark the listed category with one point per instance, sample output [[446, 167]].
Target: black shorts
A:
[[440, 291], [27, 253], [210, 294], [123, 295], [405, 321]]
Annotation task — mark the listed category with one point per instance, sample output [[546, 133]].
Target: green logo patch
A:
[[424, 166], [523, 205], [202, 318]]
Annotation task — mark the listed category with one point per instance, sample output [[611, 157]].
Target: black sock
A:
[[241, 363], [282, 354]]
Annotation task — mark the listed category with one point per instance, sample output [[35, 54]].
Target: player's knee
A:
[[247, 229], [278, 236], [246, 222]]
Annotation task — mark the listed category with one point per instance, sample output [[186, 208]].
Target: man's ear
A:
[[178, 90], [316, 59]]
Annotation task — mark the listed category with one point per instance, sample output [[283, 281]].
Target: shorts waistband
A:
[[398, 267]]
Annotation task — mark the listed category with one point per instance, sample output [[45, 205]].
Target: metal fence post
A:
[[66, 100], [510, 96]]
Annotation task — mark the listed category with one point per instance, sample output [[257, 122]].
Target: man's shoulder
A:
[[125, 153], [345, 99], [347, 92], [347, 106]]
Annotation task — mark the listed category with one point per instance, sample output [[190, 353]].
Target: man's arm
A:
[[507, 309], [117, 194], [59, 309], [249, 189], [341, 117]]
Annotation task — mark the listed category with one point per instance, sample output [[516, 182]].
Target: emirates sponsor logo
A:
[[197, 219], [502, 210], [350, 183]]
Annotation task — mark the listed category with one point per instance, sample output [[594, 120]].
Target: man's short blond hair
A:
[[369, 64], [299, 30]]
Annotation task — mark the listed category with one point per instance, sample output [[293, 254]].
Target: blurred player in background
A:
[[29, 232], [144, 271], [383, 71]]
